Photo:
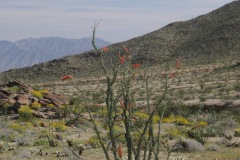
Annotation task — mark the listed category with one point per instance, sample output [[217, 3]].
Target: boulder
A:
[[22, 99], [192, 145], [55, 99]]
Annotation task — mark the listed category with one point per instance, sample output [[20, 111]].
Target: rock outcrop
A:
[[16, 94]]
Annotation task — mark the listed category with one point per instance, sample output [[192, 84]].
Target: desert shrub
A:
[[178, 109], [14, 89], [201, 124], [199, 134], [37, 94], [156, 119], [178, 120], [25, 113], [94, 142], [174, 133], [59, 126], [117, 131], [170, 119], [181, 121], [139, 123], [237, 132], [21, 127], [95, 108], [4, 108], [213, 147], [214, 131], [87, 124], [50, 105], [43, 91], [141, 115], [37, 122], [41, 142], [35, 105], [237, 87], [178, 158], [6, 133], [25, 139], [136, 136]]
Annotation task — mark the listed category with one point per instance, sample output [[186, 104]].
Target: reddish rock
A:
[[11, 101], [55, 99], [23, 99]]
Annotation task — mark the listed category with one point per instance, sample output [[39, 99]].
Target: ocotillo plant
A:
[[120, 105]]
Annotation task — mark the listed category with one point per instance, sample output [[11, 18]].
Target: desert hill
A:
[[210, 38]]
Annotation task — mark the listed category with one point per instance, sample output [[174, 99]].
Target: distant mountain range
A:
[[210, 38], [28, 52]]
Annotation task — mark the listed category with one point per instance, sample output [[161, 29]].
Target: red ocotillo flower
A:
[[121, 58], [120, 151], [136, 65], [171, 75], [66, 77], [105, 49]]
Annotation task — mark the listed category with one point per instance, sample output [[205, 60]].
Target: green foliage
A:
[[21, 127], [136, 137], [14, 89], [175, 133], [25, 113], [4, 108], [41, 142], [139, 123], [94, 142], [199, 134], [237, 132]]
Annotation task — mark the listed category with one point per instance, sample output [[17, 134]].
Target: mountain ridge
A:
[[30, 51], [213, 37]]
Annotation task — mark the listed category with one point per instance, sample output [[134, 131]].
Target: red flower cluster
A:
[[66, 77], [105, 49], [172, 75], [121, 58], [120, 151], [136, 65]]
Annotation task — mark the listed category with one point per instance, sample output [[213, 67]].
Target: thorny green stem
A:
[[110, 102], [92, 120], [137, 157], [159, 126]]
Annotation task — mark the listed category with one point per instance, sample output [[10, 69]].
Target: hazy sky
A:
[[120, 20]]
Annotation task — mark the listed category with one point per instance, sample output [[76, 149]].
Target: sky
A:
[[119, 20]]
